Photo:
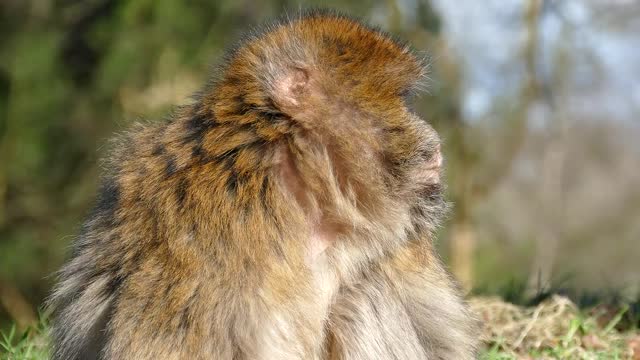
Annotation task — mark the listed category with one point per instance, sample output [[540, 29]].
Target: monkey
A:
[[288, 212]]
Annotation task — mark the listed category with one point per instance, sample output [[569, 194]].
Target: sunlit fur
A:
[[285, 214]]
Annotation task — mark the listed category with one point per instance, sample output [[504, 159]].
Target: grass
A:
[[29, 344], [553, 329]]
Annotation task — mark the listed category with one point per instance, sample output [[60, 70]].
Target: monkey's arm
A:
[[369, 321], [432, 300], [406, 307]]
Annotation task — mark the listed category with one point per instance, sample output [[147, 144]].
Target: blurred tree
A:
[[475, 169], [17, 306], [552, 170]]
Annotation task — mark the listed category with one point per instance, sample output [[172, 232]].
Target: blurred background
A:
[[537, 102]]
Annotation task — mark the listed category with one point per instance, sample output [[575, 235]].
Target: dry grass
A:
[[554, 329]]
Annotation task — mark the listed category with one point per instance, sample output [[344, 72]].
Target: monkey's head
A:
[[332, 94]]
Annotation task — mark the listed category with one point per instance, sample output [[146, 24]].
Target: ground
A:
[[553, 329]]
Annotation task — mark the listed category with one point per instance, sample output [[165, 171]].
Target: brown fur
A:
[[286, 214]]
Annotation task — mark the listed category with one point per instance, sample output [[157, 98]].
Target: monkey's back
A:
[[188, 211]]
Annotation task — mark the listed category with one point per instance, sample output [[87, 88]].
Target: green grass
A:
[[30, 344]]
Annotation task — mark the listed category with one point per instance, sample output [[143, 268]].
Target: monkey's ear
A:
[[290, 87]]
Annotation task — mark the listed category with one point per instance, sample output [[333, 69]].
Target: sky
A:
[[599, 38]]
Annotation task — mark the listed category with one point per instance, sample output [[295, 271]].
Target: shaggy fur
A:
[[286, 214]]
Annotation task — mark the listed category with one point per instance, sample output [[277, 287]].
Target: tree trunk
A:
[[463, 242], [17, 306]]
